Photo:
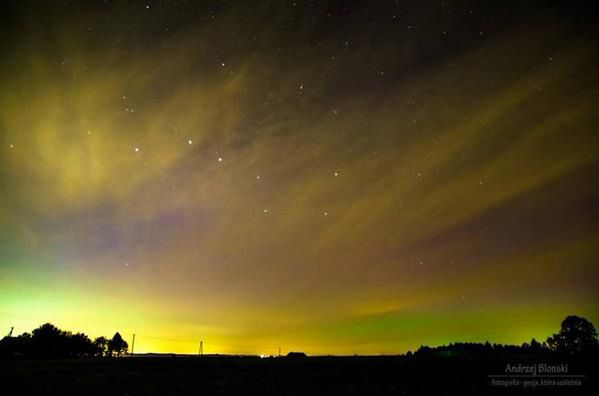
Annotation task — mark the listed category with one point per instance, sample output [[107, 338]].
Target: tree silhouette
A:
[[117, 346], [101, 346], [79, 345], [575, 336], [48, 340], [534, 347]]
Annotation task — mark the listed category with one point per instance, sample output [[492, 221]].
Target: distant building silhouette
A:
[[296, 355]]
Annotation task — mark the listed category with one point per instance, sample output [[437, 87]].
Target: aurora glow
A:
[[361, 177]]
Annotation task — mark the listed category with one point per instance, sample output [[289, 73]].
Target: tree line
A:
[[576, 336], [49, 341]]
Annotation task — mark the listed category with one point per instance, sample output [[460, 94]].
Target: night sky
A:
[[332, 177]]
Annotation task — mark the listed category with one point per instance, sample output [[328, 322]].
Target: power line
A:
[[166, 339]]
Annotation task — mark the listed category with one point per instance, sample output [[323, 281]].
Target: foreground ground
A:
[[229, 375]]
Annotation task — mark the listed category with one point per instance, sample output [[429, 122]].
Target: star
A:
[[189, 141], [326, 213], [265, 210], [336, 174], [258, 177], [220, 159], [136, 149]]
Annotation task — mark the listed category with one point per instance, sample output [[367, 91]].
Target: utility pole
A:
[[279, 351], [10, 332], [132, 345], [201, 351]]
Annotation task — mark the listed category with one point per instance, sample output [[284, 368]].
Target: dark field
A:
[[229, 375]]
